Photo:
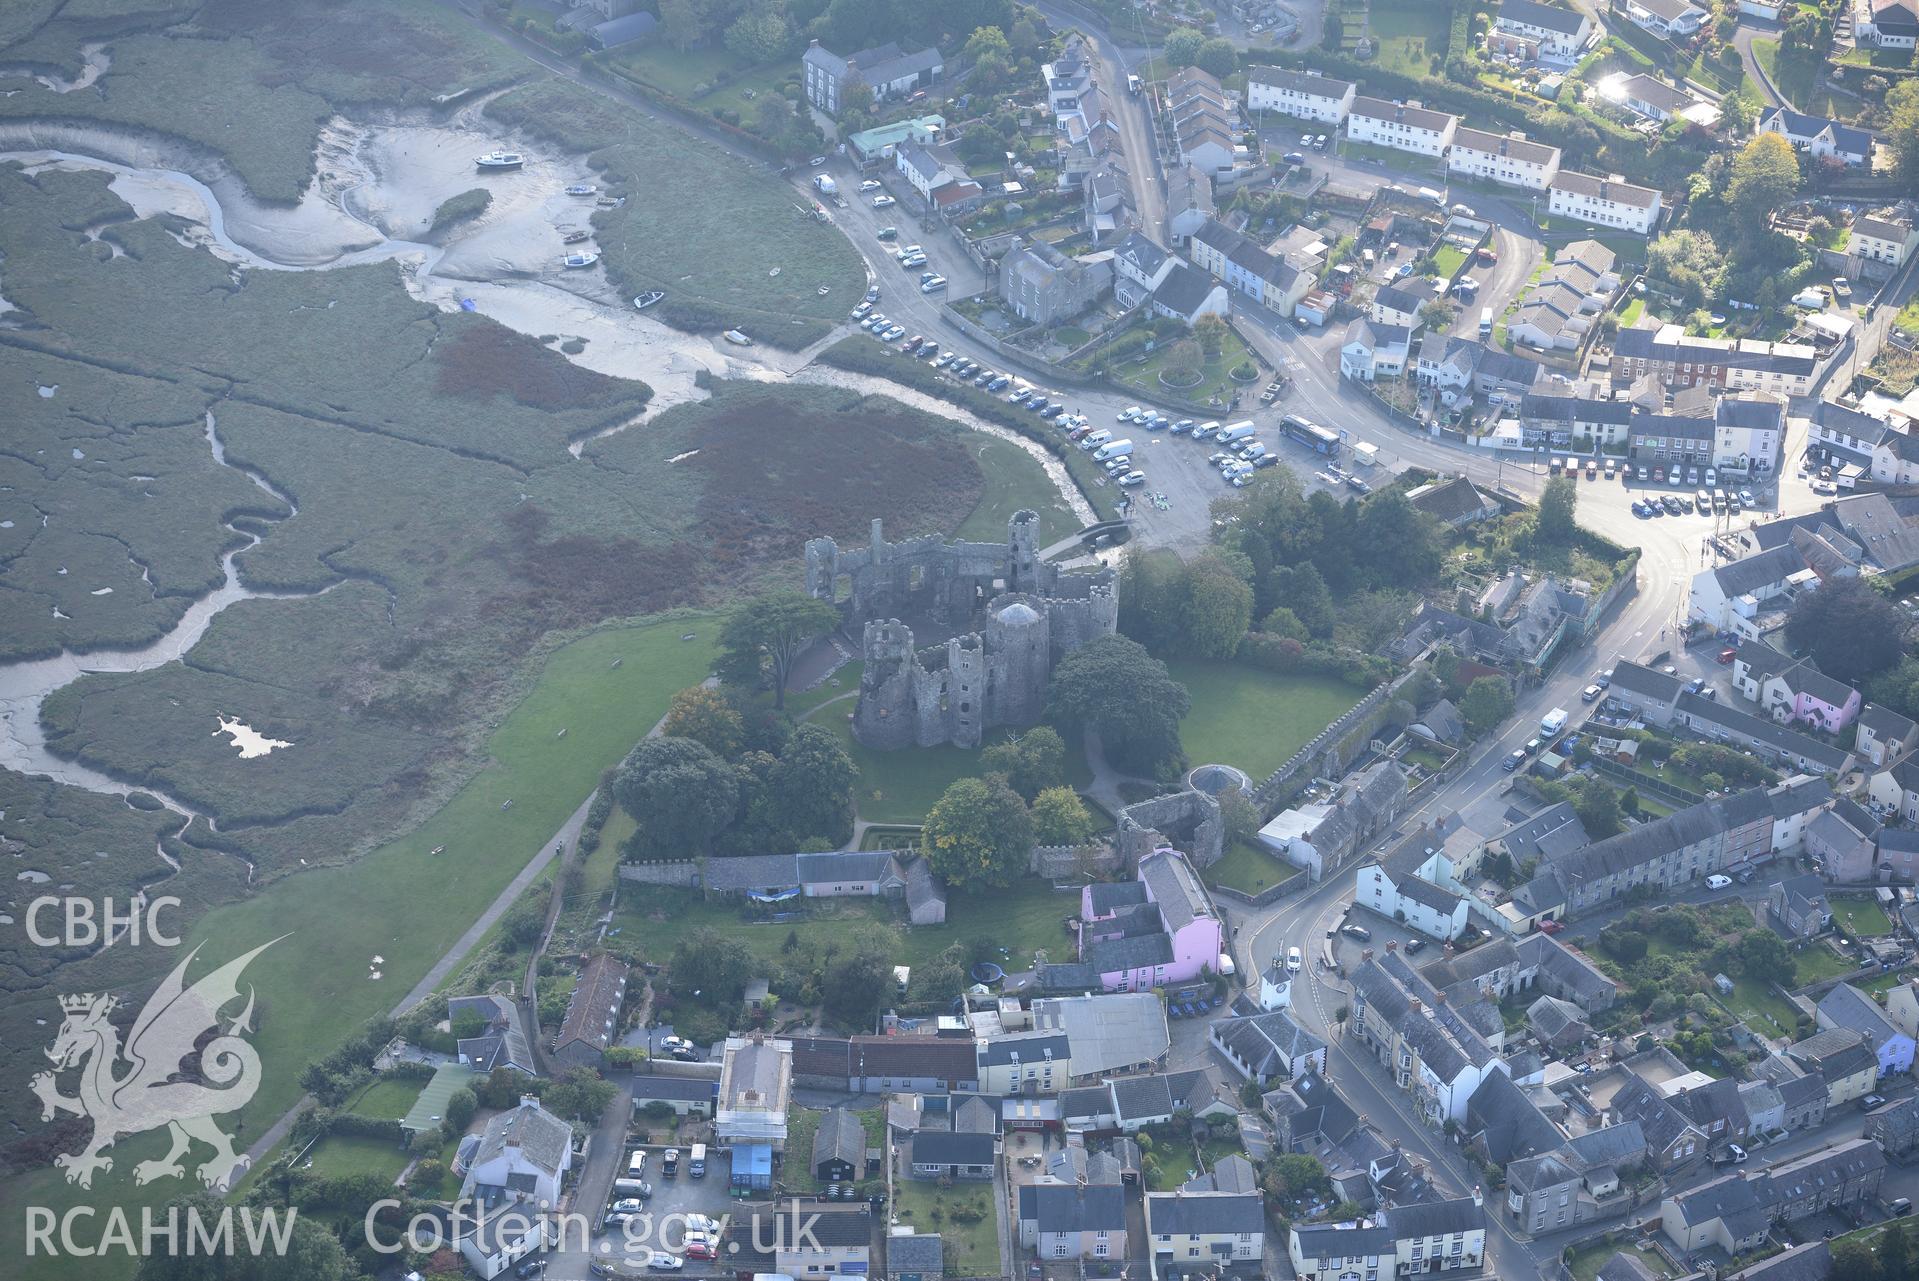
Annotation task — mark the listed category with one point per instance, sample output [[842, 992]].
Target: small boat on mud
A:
[[648, 298], [610, 202], [580, 260], [737, 338], [582, 189], [500, 160], [575, 237]]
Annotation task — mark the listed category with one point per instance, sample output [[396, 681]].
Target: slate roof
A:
[[1625, 1265], [840, 1137], [1835, 1054], [1028, 1047], [1298, 82], [689, 1089], [1184, 290], [542, 1138], [594, 1008], [1435, 1218], [1449, 500], [1068, 1207], [1701, 710], [1847, 1007], [1661, 1122], [1876, 525], [1624, 193], [1108, 956], [1334, 1242], [1635, 678], [923, 1252], [1508, 1122], [1809, 1262], [1141, 253], [1412, 117], [1109, 896], [944, 1057], [1553, 1019], [1851, 141], [1554, 831], [1761, 570], [1498, 144], [1268, 1042], [945, 1147], [1545, 16], [1175, 889], [1655, 93], [1204, 1213]]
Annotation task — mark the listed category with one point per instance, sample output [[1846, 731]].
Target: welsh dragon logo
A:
[[146, 1095]]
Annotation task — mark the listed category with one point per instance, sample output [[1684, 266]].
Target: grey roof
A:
[[1730, 1197], [1635, 678], [1835, 1054], [1851, 141], [1700, 709], [1797, 1091], [1204, 1213], [1876, 525], [542, 1138], [619, 31], [1298, 81], [840, 1137], [1548, 17], [946, 1147], [1028, 1047], [1846, 1006], [1268, 1042], [1344, 1241], [1233, 1173], [1809, 1175], [594, 1007], [1108, 956], [498, 1232], [1184, 290], [1142, 253], [922, 1252], [1809, 1262], [1569, 967], [505, 1042], [1624, 193], [1436, 1218], [1553, 1018], [1655, 93], [1413, 117], [1625, 1265], [1661, 1122], [1109, 896], [1508, 1122], [1450, 500], [1426, 894], [881, 64], [690, 1089], [1553, 831], [1499, 144], [1620, 1144], [1886, 723], [1761, 570], [976, 1116], [1069, 1207], [753, 872], [1175, 889]]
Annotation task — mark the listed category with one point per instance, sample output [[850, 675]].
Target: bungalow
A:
[[688, 1096], [1666, 18], [1561, 34], [1610, 202], [1845, 1006], [1654, 99], [942, 1154], [1503, 158], [1818, 136], [1401, 126], [901, 875], [1307, 95]]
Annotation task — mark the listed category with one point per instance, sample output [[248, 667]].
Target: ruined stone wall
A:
[[1189, 821]]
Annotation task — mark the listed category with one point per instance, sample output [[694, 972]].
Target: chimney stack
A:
[[1392, 945], [1418, 1006]]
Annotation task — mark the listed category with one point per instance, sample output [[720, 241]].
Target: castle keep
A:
[[1016, 616]]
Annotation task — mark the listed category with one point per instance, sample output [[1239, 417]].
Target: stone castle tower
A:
[[1021, 616]]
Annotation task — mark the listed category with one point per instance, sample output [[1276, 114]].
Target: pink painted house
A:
[[1804, 693], [1157, 929]]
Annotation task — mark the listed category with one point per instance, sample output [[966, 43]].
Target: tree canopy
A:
[[1114, 688], [1061, 818], [1556, 507], [1031, 761], [705, 716], [1488, 701], [1763, 177], [1849, 629], [978, 834], [679, 794], [764, 636]]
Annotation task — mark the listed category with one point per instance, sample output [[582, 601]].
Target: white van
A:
[[1238, 431], [1718, 881], [1112, 449], [1093, 440], [1485, 322], [1206, 430]]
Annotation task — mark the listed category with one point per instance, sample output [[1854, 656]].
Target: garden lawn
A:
[[1412, 37], [1860, 916], [1249, 869], [431, 1105], [1883, 983], [1763, 1011], [1816, 963], [1908, 317], [1587, 1260], [1214, 386], [1254, 719], [1448, 259], [339, 1155], [388, 1098], [900, 786], [689, 74], [972, 1248]]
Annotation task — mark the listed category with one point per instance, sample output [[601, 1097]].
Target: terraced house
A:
[[1671, 355], [1299, 93], [1607, 202], [1436, 1052], [1406, 1240], [1248, 269], [1507, 159], [1403, 126], [1561, 35]]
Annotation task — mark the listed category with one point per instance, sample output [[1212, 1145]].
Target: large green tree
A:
[[313, 1252], [1488, 701], [1850, 630], [1556, 507], [716, 966], [1218, 609], [1182, 47], [811, 786], [1115, 689], [978, 835], [1763, 178], [705, 716], [1902, 131], [1031, 762], [853, 989], [680, 795], [1060, 817], [765, 636]]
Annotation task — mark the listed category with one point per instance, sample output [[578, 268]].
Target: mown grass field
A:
[[971, 1235], [1412, 37], [1254, 719]]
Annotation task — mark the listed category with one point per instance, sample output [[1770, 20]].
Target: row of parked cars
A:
[[1115, 457], [1705, 502], [1188, 1008]]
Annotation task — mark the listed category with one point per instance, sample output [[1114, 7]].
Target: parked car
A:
[[1513, 761], [1359, 932], [1872, 1101], [1413, 945], [884, 202], [1133, 478], [817, 161], [871, 184], [531, 1268], [1590, 694], [1486, 254]]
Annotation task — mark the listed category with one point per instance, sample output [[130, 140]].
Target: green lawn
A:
[[1587, 1260], [339, 1155], [691, 74], [1215, 387], [1254, 719], [1017, 921], [1908, 317], [1412, 37], [1763, 1011], [1249, 869], [1883, 983], [1816, 963], [972, 1247], [386, 1098], [1014, 480], [431, 1105], [1862, 917], [1448, 259], [900, 786], [1632, 313]]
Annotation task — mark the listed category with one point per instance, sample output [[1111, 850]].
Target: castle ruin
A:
[[1015, 616]]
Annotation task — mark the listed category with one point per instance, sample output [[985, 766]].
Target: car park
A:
[[1295, 158], [984, 378], [912, 260], [1745, 496], [1118, 466], [872, 293], [1672, 505]]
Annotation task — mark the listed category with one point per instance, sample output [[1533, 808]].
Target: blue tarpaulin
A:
[[753, 1165]]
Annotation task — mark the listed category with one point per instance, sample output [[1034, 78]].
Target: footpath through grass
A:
[[403, 902], [1254, 719]]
